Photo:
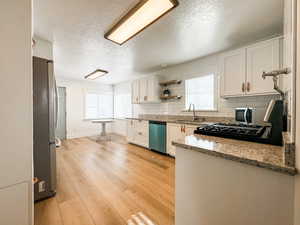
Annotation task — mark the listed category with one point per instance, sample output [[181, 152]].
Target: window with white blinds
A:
[[201, 92], [98, 106], [123, 106]]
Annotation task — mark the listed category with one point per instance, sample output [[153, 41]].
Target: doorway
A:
[[61, 130]]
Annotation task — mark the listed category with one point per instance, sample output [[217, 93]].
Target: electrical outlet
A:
[[42, 186]]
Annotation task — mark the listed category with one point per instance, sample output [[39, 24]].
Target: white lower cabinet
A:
[[138, 132], [177, 132], [14, 205], [130, 131], [174, 132]]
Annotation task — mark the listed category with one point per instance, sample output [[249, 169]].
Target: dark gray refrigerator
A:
[[44, 124]]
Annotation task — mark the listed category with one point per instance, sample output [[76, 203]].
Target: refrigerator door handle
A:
[[56, 104]]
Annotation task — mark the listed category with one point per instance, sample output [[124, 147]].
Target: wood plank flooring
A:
[[109, 183]]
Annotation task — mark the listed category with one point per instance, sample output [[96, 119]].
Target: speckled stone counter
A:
[[201, 120], [260, 155]]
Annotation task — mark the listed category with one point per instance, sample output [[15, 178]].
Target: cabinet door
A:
[[135, 92], [233, 73], [189, 129], [153, 90], [174, 132], [130, 131], [142, 133], [14, 205], [143, 91], [264, 56]]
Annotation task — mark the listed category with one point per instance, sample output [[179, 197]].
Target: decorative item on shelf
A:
[[174, 97], [166, 93], [170, 82]]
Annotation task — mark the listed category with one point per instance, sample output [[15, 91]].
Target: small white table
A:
[[103, 135]]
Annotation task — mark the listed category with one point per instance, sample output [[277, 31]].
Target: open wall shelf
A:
[[170, 82], [175, 97]]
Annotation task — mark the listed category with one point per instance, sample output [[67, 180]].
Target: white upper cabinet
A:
[[143, 90], [136, 92], [146, 90], [233, 72], [241, 70], [153, 90], [262, 57]]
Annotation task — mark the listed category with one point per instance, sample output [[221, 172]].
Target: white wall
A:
[[120, 125], [43, 49], [76, 125], [16, 133]]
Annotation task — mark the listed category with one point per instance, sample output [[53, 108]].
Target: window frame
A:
[[86, 92], [216, 93]]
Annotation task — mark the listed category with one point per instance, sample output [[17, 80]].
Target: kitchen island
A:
[[225, 181]]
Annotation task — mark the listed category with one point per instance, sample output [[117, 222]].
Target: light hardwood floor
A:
[[109, 183]]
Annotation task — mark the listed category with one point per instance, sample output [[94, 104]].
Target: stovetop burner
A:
[[236, 131]]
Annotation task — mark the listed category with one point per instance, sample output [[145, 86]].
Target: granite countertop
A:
[[256, 154], [177, 121]]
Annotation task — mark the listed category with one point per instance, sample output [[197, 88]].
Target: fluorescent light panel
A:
[[96, 74], [138, 18]]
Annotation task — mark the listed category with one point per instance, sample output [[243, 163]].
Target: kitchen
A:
[[190, 119]]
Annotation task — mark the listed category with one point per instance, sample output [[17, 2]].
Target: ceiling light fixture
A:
[[145, 13], [96, 74]]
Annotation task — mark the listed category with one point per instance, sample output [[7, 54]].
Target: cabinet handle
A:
[[243, 87], [140, 133], [137, 99], [248, 86], [183, 129]]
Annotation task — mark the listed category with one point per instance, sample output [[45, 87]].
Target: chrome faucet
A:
[[194, 112]]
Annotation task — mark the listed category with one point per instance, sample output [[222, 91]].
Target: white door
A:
[[174, 132], [233, 73], [135, 92], [264, 56]]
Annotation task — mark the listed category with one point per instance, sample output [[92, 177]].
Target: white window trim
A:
[[216, 93]]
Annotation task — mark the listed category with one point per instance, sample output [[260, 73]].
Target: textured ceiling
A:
[[195, 28]]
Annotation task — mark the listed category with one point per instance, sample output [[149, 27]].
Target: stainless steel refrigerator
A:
[[44, 124]]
